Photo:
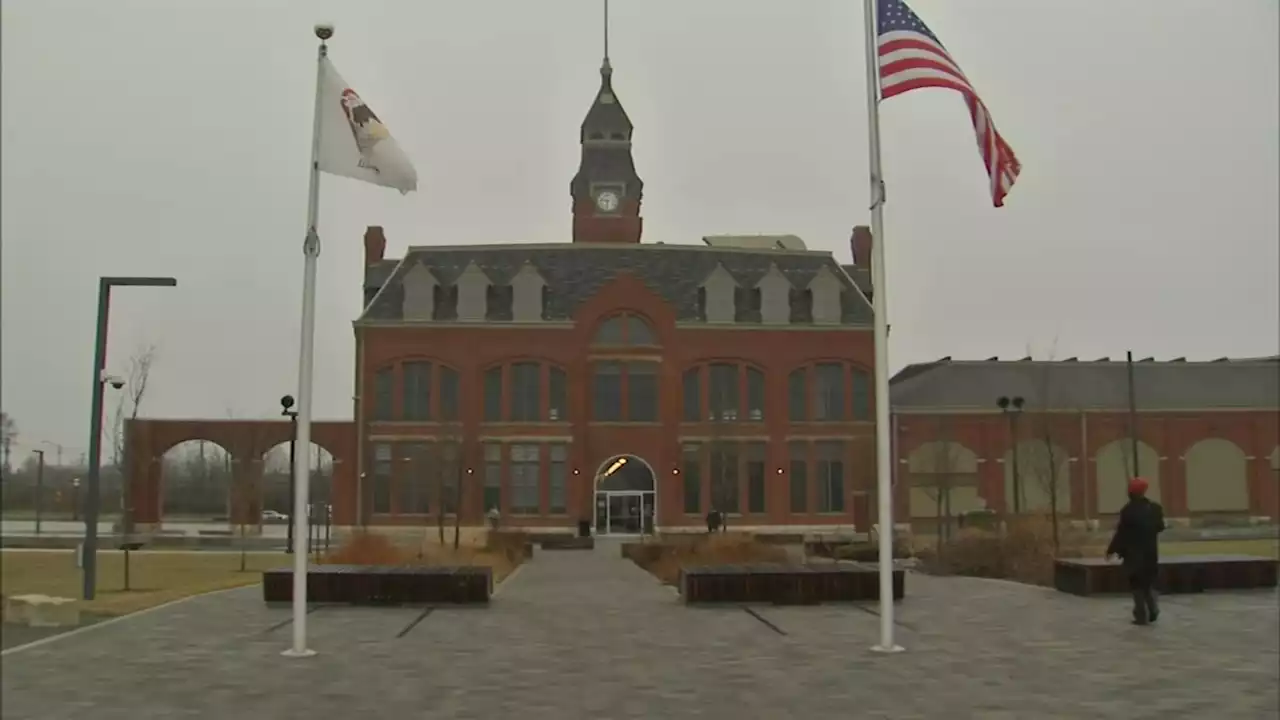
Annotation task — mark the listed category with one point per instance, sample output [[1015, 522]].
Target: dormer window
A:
[[597, 135], [746, 305], [802, 306], [498, 303], [445, 302]]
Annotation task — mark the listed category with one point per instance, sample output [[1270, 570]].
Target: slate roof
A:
[[576, 272], [861, 277], [1093, 385]]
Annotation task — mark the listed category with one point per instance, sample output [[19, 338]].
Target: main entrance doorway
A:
[[626, 497]]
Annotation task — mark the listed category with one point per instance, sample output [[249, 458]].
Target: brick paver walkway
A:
[[588, 635]]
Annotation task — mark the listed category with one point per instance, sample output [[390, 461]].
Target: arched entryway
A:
[[625, 496]]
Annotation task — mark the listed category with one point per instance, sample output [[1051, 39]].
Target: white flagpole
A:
[[879, 303], [306, 351]]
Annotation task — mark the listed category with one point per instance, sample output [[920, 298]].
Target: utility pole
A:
[[1133, 412], [39, 487]]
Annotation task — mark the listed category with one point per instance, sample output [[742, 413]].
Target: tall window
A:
[[724, 478], [801, 306], [746, 305], [691, 470], [498, 300], [382, 471], [755, 395], [445, 305], [557, 480], [642, 392], [525, 492], [526, 386], [724, 392], [492, 477], [861, 391], [493, 394], [829, 466], [383, 381], [755, 478], [607, 395], [416, 397], [828, 392], [449, 473], [693, 395], [799, 474], [417, 481], [557, 395], [449, 394], [624, 329], [797, 405]]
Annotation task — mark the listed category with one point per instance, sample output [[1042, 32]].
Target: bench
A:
[[785, 584], [378, 585], [1177, 574], [41, 611]]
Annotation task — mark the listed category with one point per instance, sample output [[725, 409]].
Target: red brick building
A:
[[624, 383], [1207, 437]]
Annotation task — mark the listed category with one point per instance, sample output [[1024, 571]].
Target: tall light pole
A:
[[95, 419], [39, 487], [1012, 408], [286, 409]]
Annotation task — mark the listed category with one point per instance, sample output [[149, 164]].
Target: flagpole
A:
[[879, 303], [302, 464]]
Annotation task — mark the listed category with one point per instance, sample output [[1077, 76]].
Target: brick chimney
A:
[[860, 244], [375, 245]]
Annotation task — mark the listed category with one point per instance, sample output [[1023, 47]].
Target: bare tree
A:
[[1045, 463], [723, 468], [128, 404], [448, 481], [940, 472], [8, 436]]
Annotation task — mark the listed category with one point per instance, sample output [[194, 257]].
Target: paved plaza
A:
[[589, 635]]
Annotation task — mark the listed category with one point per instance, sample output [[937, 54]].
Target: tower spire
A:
[[605, 67]]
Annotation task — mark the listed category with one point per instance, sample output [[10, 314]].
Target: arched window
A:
[[626, 330], [427, 391], [525, 391], [832, 391], [734, 392], [624, 391]]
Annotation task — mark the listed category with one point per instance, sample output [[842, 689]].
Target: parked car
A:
[[272, 516]]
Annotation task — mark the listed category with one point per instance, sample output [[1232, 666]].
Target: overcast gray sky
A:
[[171, 137]]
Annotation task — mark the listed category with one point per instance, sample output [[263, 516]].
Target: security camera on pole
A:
[[347, 139]]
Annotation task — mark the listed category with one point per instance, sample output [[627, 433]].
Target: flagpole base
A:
[[887, 650], [295, 653]]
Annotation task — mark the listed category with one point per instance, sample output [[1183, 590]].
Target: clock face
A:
[[607, 201]]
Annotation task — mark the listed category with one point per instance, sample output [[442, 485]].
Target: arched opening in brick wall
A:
[[1217, 477], [625, 496], [196, 483], [1114, 468], [276, 473], [943, 477], [1041, 466]]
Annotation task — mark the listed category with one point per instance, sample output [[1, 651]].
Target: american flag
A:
[[911, 57]]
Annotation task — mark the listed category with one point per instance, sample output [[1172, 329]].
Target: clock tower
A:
[[606, 191]]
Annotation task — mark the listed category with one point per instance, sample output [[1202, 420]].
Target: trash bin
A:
[[584, 528]]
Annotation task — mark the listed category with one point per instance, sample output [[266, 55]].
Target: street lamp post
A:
[[286, 405], [1012, 408], [39, 487], [95, 420]]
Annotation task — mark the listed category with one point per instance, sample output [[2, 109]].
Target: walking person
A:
[[1137, 542]]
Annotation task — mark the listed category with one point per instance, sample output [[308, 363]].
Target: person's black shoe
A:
[[1155, 614], [1136, 621]]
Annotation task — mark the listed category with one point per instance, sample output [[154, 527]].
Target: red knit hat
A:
[[1137, 486]]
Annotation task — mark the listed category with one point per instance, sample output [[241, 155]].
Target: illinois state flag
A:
[[353, 141]]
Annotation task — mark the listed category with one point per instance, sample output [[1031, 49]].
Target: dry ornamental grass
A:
[[665, 558]]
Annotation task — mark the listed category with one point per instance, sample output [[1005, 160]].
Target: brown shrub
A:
[[1022, 552], [502, 555], [668, 557]]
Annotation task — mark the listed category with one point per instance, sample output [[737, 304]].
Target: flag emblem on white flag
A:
[[354, 142]]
